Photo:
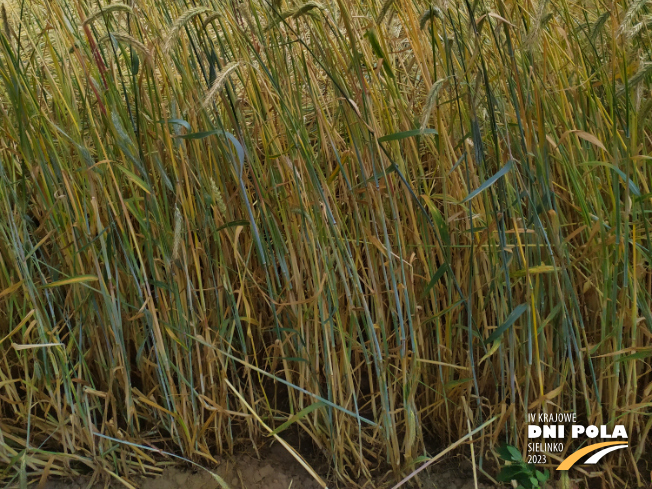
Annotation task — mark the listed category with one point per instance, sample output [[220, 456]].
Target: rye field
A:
[[386, 228]]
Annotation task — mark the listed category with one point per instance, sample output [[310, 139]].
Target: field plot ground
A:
[[276, 469]]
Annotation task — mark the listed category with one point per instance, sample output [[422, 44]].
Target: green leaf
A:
[[406, 134], [200, 135], [419, 460], [636, 356], [178, 122], [376, 176], [301, 414], [371, 34], [455, 383], [503, 453], [511, 472], [204, 134], [435, 278], [135, 64], [160, 285], [542, 476], [234, 224], [134, 178], [516, 313], [516, 455], [633, 188], [490, 181], [125, 142], [442, 226]]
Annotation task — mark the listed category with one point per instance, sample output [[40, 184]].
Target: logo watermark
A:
[[547, 433]]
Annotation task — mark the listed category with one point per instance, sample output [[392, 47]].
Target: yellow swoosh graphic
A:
[[571, 459]]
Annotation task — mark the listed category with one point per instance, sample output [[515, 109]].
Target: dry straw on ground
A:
[[342, 218]]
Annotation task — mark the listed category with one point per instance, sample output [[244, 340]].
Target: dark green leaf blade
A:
[[515, 314], [490, 181], [406, 134]]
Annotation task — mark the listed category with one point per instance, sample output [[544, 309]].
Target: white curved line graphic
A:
[[595, 458]]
